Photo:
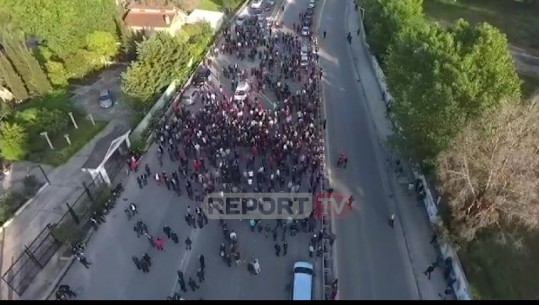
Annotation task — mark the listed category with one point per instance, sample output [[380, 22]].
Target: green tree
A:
[[161, 59], [102, 43], [13, 141], [440, 82], [62, 24], [384, 19], [57, 73], [12, 79], [78, 64], [24, 62]]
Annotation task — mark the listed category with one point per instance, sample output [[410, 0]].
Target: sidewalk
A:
[[47, 207], [412, 216]]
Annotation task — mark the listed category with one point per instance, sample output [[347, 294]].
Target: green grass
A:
[[62, 151], [530, 84], [210, 5], [217, 5], [519, 21], [499, 271]]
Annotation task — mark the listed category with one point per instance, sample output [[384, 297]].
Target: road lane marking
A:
[[184, 260]]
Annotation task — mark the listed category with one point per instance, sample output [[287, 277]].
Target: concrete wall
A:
[[461, 286]]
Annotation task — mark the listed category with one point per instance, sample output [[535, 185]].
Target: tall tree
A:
[[24, 62], [386, 18], [440, 81], [161, 59], [12, 79], [490, 173]]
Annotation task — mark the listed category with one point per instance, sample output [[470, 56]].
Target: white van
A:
[[302, 289]]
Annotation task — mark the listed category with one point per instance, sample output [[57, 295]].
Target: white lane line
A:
[[184, 260]]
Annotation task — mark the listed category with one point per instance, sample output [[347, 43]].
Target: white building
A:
[[215, 19]]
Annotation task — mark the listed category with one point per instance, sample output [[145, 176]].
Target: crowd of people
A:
[[243, 145]]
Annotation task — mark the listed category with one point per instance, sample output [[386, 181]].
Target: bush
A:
[[13, 141], [10, 202], [31, 184], [138, 146], [40, 119], [67, 231]]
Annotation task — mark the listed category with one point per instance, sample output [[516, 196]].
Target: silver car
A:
[[105, 99], [190, 96]]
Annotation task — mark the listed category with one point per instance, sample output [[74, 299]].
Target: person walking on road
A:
[[181, 281], [202, 262], [159, 244], [325, 34], [144, 265], [188, 243], [392, 220], [167, 230], [256, 266], [192, 284], [285, 248], [67, 290], [429, 270], [277, 249], [200, 275], [82, 259]]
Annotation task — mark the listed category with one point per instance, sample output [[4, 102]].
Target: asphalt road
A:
[[114, 276], [372, 259]]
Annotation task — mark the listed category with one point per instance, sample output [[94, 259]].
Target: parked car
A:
[[190, 96], [201, 76], [312, 3], [241, 91], [105, 99], [305, 31]]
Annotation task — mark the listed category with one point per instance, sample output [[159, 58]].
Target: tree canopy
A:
[[490, 173], [62, 24], [163, 58], [386, 18], [441, 80], [74, 37]]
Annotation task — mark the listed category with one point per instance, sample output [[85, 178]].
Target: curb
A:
[[24, 206]]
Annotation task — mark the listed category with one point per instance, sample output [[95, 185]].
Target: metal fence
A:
[[71, 227]]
